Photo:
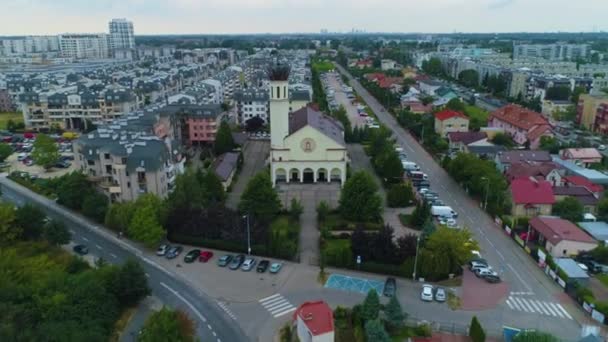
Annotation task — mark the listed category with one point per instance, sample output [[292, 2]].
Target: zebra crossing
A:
[[536, 306], [226, 309], [277, 305]]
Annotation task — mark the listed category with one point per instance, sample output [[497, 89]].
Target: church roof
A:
[[324, 124]]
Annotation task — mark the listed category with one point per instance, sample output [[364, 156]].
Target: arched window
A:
[[278, 92], [271, 92], [285, 91]]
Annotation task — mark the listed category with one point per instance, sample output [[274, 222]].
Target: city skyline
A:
[[296, 16]]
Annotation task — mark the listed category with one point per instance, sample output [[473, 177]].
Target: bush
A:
[[399, 195], [323, 210], [476, 331], [423, 330], [337, 253]]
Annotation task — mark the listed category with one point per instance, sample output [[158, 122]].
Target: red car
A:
[[205, 256]]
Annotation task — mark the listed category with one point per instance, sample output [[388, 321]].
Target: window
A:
[[565, 251], [128, 184], [90, 162], [278, 92], [106, 156]]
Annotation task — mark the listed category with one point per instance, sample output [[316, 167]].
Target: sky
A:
[[26, 17]]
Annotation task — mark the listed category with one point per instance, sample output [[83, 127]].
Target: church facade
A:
[[306, 145]]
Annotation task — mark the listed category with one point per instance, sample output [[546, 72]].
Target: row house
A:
[[523, 125]]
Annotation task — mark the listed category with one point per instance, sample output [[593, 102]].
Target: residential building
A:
[[122, 35], [601, 119], [250, 103], [553, 52], [575, 275], [552, 107], [447, 121], [388, 64], [84, 45], [314, 322], [225, 167], [487, 152], [584, 182], [581, 156], [585, 197], [218, 90], [587, 110], [531, 197], [516, 83], [598, 230], [198, 123], [546, 171], [459, 140], [523, 125], [505, 159], [6, 101], [561, 238]]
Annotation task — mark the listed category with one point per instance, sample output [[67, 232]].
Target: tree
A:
[[95, 206], [602, 208], [534, 336], [455, 104], [433, 67], [559, 93], [577, 92], [476, 331], [5, 151], [146, 224], [445, 251], [45, 152], [374, 331], [31, 220], [421, 214], [323, 210], [9, 232], [359, 199], [569, 209], [70, 191], [295, 209], [212, 187], [223, 139], [167, 325], [389, 166], [399, 195], [56, 233], [503, 139], [130, 284], [119, 215], [371, 306], [469, 78], [551, 144], [260, 198], [394, 314], [254, 124]]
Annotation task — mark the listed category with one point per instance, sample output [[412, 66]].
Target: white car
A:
[[427, 293], [451, 223], [482, 272], [162, 250], [248, 264]]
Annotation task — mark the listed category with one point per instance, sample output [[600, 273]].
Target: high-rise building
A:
[[553, 52], [84, 45], [121, 34]]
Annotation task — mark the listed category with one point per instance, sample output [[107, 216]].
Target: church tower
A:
[[279, 104]]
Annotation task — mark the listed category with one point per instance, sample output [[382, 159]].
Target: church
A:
[[306, 146]]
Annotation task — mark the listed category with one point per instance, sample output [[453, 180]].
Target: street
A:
[[211, 322], [525, 278]]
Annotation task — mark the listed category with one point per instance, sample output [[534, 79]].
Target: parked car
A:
[[224, 260], [192, 255], [248, 264], [81, 249], [236, 262], [174, 252], [390, 287], [482, 272], [262, 266], [475, 264], [492, 279], [62, 164], [162, 249], [440, 294], [205, 256], [275, 267], [427, 293]]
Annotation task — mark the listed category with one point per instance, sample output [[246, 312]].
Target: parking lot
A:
[[21, 159], [340, 94], [361, 285]]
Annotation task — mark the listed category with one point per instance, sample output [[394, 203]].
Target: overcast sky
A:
[[21, 17]]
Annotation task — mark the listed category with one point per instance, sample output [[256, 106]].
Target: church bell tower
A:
[[279, 104]]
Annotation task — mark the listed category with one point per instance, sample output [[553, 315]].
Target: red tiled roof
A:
[[519, 116], [317, 316], [466, 137], [448, 114], [581, 153], [522, 170], [555, 230], [528, 191], [539, 131], [582, 181]]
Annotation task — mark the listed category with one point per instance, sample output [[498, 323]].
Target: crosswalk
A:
[[277, 305], [537, 306], [226, 309]]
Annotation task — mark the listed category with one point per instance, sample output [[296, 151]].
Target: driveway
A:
[[254, 161], [334, 81]]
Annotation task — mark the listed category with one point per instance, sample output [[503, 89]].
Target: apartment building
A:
[[252, 102], [29, 44], [84, 45], [122, 35], [588, 108], [523, 125], [557, 51], [198, 124], [6, 102]]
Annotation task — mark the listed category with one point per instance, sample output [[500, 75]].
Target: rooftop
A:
[[309, 116], [571, 268], [448, 114], [225, 164], [511, 157], [599, 230], [317, 316], [519, 116], [555, 230], [531, 191], [466, 137]]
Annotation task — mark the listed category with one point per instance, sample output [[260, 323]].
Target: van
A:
[[444, 211], [410, 166], [417, 175]]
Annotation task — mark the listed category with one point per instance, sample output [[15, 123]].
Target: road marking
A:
[[561, 308], [98, 247], [113, 255], [284, 313], [277, 305], [274, 295], [280, 307], [196, 312], [500, 254], [547, 307], [519, 277], [525, 308], [514, 303], [214, 334], [209, 326], [538, 307], [509, 304], [85, 239], [227, 310], [272, 302]]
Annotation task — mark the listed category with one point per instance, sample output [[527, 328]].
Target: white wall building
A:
[[122, 35], [84, 45]]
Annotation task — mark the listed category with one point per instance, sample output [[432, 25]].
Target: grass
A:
[[5, 116], [402, 335], [323, 66], [603, 278], [479, 113], [121, 324], [453, 301]]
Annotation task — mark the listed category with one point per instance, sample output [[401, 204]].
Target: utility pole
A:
[[416, 258], [246, 216]]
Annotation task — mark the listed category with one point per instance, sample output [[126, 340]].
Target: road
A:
[[212, 323], [519, 270]]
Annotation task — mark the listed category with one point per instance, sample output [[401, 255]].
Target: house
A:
[[587, 198], [505, 159], [444, 95], [598, 230], [561, 238], [582, 181], [531, 197], [364, 63], [314, 322], [573, 271], [225, 167], [429, 87], [459, 140], [581, 156], [591, 175], [447, 121], [547, 171], [523, 125], [417, 107], [487, 152]]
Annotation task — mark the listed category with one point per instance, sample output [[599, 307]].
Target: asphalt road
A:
[[523, 275], [212, 323]]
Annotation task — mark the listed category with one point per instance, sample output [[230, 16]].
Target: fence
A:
[[448, 327]]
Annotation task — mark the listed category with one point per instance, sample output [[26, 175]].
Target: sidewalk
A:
[[148, 306]]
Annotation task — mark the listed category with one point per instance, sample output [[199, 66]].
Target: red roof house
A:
[[531, 197], [582, 181], [548, 171], [522, 124], [447, 121], [560, 237], [315, 322]]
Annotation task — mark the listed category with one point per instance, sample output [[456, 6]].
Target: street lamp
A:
[[485, 202], [246, 216], [416, 258]]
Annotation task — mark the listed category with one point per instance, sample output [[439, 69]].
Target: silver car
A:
[[427, 293], [248, 264], [440, 294]]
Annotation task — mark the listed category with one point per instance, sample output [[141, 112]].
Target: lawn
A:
[[603, 278], [5, 116], [475, 112], [323, 66]]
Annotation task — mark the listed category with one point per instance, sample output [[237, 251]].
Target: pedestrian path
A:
[[277, 305], [536, 306], [226, 309]]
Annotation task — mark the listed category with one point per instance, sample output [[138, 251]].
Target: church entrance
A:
[[309, 176], [294, 175], [322, 175]]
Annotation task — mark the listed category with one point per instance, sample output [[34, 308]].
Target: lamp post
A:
[[485, 201], [416, 258], [246, 216]]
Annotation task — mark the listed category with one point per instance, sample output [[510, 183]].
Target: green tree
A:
[[119, 216], [577, 92], [476, 331], [223, 139], [394, 314], [445, 251], [95, 206], [427, 229], [371, 306], [146, 224], [503, 139], [399, 195], [602, 208], [212, 187], [45, 152], [421, 214], [433, 67], [323, 210], [167, 325], [469, 78], [551, 144], [56, 233], [130, 285], [5, 151], [9, 232], [260, 199], [71, 190], [31, 220], [534, 336], [569, 209], [295, 209], [389, 166], [374, 331], [359, 198], [559, 93], [456, 104]]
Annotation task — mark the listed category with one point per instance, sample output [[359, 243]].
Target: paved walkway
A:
[[254, 161]]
